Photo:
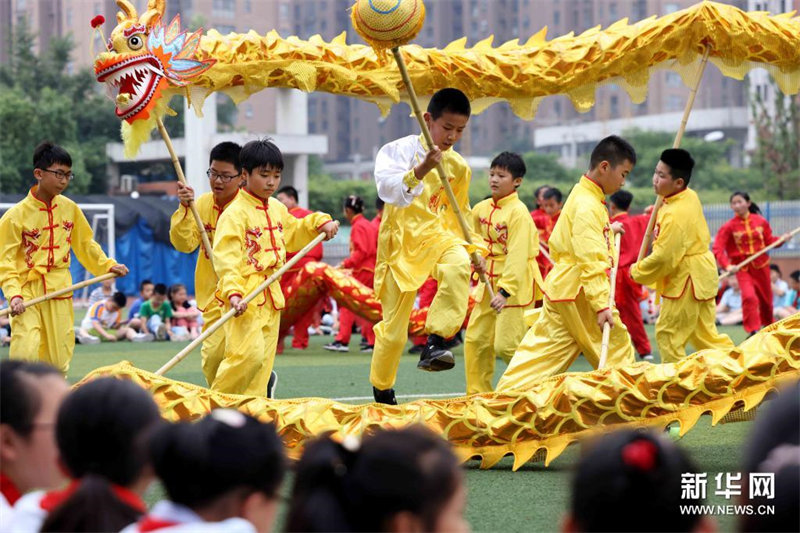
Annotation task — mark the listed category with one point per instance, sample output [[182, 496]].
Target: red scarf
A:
[[9, 490], [152, 523], [54, 498]]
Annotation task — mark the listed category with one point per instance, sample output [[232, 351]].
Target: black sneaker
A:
[[367, 348], [272, 384], [417, 348], [451, 343], [337, 346], [434, 357], [384, 396]]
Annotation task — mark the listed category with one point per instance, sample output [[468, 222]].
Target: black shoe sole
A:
[[444, 361]]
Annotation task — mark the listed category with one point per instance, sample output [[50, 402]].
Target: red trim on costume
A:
[[603, 309], [234, 294], [8, 488], [54, 498], [688, 279]]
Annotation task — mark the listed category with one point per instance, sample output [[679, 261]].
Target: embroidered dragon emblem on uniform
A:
[[502, 236], [29, 239], [68, 226], [251, 237]]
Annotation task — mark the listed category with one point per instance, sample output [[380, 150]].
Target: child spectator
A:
[[545, 217], [184, 315], [780, 289], [30, 395], [104, 291], [102, 320], [145, 292], [397, 480], [222, 473], [5, 325], [729, 308], [156, 314], [791, 302], [102, 433], [641, 470], [38, 235]]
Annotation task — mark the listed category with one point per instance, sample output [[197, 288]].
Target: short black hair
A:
[[552, 192], [354, 202], [795, 275], [226, 152], [143, 283], [260, 154], [289, 191], [680, 164], [160, 289], [47, 154], [776, 268], [622, 199], [449, 100], [539, 189], [512, 162], [613, 149], [379, 203], [120, 299], [19, 401]]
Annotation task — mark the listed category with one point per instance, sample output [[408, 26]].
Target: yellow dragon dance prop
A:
[[149, 60], [554, 413]]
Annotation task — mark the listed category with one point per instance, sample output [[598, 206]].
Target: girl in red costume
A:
[[742, 236]]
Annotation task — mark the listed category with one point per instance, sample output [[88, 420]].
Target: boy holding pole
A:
[[37, 236]]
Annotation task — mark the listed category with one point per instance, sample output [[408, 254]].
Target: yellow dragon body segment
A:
[[518, 73], [554, 413]]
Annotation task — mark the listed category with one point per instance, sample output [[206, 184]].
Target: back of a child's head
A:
[[120, 299], [289, 191], [795, 276], [20, 400], [226, 152], [262, 153], [553, 193], [621, 199], [199, 463], [631, 481], [394, 471], [774, 449], [379, 203], [354, 203], [511, 162], [449, 100], [160, 289], [680, 164], [47, 154], [775, 268], [102, 433], [613, 149]]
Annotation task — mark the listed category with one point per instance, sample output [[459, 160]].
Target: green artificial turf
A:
[[531, 499]]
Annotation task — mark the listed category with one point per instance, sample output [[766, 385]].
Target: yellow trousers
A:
[[250, 342], [213, 350], [684, 320], [445, 315], [490, 335], [562, 332], [44, 332]]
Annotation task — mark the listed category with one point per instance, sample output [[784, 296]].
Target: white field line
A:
[[437, 395]]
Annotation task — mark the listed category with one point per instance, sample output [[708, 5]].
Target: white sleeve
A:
[[392, 164]]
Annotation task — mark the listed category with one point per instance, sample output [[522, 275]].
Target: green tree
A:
[[777, 153], [40, 100]]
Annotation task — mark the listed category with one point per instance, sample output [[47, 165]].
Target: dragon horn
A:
[[128, 11], [155, 10]]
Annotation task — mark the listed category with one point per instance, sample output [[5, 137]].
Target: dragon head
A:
[[144, 58]]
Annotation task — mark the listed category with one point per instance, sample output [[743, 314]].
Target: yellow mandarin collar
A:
[[221, 207], [505, 200], [253, 199], [593, 187], [32, 195], [676, 197]]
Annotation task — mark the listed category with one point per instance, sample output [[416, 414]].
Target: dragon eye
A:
[[136, 41]]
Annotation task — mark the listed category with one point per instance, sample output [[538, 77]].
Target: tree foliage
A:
[[777, 153], [40, 100]]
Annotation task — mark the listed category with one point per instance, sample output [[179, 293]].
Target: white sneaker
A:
[[181, 338], [88, 339], [161, 332], [143, 337]]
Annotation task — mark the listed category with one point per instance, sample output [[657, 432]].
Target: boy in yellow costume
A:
[[36, 237], [577, 288], [496, 325], [253, 234], [681, 267], [224, 174], [420, 237]]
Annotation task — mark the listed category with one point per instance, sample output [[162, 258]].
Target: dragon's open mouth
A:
[[135, 80]]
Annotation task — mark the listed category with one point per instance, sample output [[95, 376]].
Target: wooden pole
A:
[[412, 96], [227, 316], [760, 253], [545, 254], [611, 304], [59, 292], [675, 144], [181, 178]]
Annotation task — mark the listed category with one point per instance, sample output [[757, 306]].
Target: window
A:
[[225, 29], [671, 8], [69, 17], [673, 79], [283, 12], [613, 107], [612, 11], [224, 9], [674, 102], [248, 110], [556, 18], [248, 6]]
